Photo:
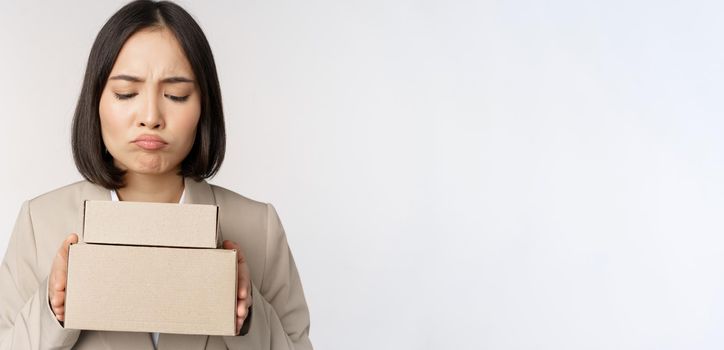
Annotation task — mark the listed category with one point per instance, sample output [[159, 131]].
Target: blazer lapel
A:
[[197, 192], [92, 191]]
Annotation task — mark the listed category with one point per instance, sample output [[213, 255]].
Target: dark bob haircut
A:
[[89, 152]]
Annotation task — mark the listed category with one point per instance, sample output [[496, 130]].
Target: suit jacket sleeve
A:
[[26, 320], [280, 317]]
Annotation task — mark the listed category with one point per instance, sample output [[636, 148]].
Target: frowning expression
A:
[[151, 104]]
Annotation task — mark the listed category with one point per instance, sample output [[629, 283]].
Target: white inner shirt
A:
[[114, 197]]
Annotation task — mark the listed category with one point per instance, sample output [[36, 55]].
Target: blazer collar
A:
[[197, 192]]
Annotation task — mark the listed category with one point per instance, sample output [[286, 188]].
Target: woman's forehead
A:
[[152, 53]]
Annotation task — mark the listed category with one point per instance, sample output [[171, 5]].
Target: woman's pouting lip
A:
[[150, 142], [150, 145]]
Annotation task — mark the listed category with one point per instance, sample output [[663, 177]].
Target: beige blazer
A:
[[279, 315]]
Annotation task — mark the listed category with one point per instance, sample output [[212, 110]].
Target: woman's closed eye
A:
[[124, 96], [177, 98], [171, 97]]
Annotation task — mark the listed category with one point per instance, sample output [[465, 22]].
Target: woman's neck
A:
[[164, 188]]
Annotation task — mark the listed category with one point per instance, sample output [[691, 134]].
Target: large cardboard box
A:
[[156, 281], [151, 289], [151, 224]]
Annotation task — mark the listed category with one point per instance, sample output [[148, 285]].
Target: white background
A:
[[450, 174]]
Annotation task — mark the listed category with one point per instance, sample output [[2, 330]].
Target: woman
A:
[[149, 126]]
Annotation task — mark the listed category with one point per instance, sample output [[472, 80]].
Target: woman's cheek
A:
[[190, 122], [111, 129]]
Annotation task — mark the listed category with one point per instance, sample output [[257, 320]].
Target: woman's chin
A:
[[151, 169], [147, 167]]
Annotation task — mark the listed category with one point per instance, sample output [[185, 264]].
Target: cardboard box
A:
[[151, 289], [151, 224], [151, 267]]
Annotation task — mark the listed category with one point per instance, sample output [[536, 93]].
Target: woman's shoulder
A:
[[228, 198], [246, 221], [67, 194]]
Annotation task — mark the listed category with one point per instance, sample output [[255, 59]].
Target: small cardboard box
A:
[[151, 289], [151, 224]]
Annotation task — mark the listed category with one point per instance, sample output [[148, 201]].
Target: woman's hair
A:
[[89, 152]]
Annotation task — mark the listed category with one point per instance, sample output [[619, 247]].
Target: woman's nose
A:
[[150, 115]]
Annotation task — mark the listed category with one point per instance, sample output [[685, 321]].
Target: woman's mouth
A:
[[150, 145], [150, 142]]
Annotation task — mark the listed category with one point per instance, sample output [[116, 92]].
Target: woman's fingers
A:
[[59, 310], [59, 273], [57, 299], [227, 244], [58, 277], [241, 309], [63, 250], [244, 290], [244, 278], [243, 284]]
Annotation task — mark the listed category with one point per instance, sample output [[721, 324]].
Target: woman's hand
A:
[[244, 293], [59, 277]]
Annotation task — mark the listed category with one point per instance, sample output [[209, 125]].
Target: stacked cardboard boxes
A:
[[151, 267]]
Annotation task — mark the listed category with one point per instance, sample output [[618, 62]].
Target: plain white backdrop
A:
[[450, 174]]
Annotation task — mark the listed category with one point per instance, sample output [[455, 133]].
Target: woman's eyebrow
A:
[[169, 80]]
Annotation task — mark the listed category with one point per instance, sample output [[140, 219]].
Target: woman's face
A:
[[150, 105]]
